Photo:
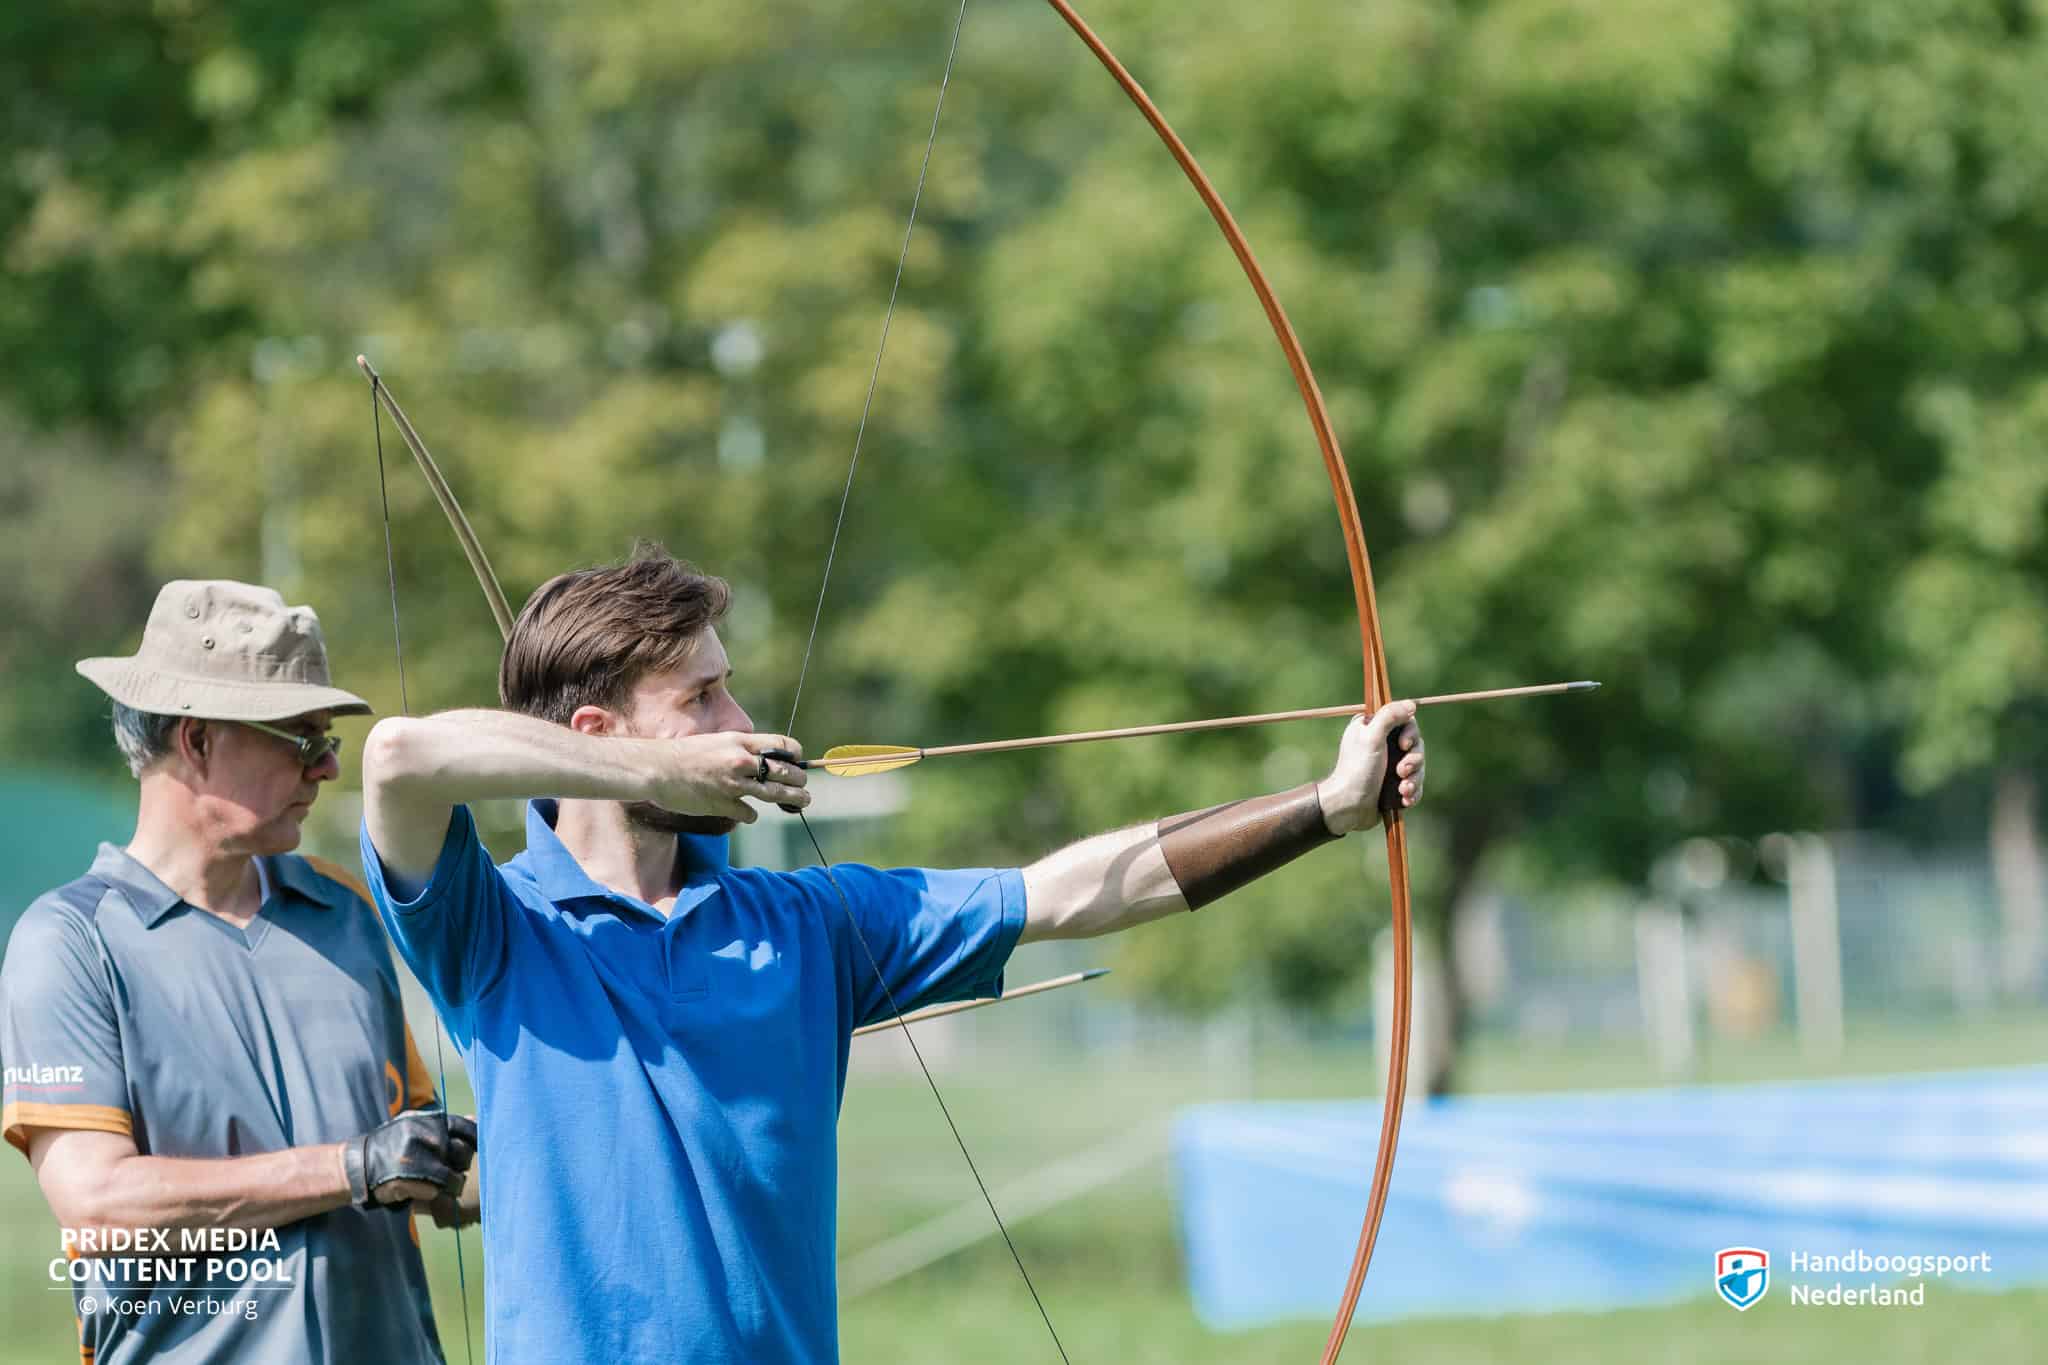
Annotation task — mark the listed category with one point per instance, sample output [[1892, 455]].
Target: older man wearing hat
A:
[[204, 1032]]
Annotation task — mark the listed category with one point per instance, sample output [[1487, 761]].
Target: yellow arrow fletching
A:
[[860, 760]]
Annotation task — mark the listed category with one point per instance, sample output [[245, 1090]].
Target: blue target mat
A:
[[1612, 1199]]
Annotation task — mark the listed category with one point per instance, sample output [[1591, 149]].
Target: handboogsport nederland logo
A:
[[1818, 1279], [1742, 1274]]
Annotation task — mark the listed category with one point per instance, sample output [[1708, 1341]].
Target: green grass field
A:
[[1107, 1263]]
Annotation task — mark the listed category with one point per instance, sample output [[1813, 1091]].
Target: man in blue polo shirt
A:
[[658, 1040]]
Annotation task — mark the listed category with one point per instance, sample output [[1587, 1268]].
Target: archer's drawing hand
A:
[[1358, 788], [714, 774]]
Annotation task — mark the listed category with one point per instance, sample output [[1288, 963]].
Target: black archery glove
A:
[[426, 1146]]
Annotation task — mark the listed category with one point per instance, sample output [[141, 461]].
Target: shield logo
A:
[[1742, 1274]]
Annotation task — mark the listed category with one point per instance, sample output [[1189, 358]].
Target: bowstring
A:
[[405, 708], [875, 370], [803, 671]]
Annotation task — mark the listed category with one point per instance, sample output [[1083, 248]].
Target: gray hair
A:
[[144, 736]]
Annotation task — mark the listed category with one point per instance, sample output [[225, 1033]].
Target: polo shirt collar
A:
[[299, 877], [699, 857], [144, 891], [152, 900]]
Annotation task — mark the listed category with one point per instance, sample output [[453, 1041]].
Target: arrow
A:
[[961, 1006], [863, 760]]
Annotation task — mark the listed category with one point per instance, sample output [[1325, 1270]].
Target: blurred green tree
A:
[[150, 149], [1690, 346]]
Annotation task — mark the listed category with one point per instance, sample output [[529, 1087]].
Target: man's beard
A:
[[646, 815]]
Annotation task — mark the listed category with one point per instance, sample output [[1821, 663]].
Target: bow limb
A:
[[1372, 651], [481, 564], [472, 548]]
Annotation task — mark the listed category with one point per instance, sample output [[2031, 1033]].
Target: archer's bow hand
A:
[[1379, 769], [419, 1154]]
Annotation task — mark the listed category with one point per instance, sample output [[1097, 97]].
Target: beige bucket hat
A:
[[222, 650]]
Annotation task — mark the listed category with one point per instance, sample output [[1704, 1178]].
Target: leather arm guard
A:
[[1213, 852]]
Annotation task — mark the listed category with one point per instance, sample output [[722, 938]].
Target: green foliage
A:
[[1689, 346]]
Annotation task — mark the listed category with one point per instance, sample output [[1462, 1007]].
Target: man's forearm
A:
[[266, 1191], [1100, 885], [417, 770], [1127, 877], [479, 755]]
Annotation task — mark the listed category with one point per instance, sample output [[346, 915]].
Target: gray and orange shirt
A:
[[125, 1010]]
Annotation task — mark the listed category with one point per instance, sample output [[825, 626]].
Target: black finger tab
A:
[[781, 756]]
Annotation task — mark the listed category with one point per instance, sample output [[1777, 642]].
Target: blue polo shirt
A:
[[659, 1094]]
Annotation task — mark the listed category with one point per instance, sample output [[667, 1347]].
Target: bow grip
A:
[[1390, 785]]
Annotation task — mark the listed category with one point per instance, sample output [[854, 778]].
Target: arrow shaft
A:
[[962, 1006], [1221, 723]]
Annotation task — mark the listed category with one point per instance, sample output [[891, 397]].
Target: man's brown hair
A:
[[586, 637]]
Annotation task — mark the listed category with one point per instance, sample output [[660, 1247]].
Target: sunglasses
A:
[[313, 749]]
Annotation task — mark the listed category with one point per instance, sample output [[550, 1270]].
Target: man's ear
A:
[[193, 741], [594, 720]]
